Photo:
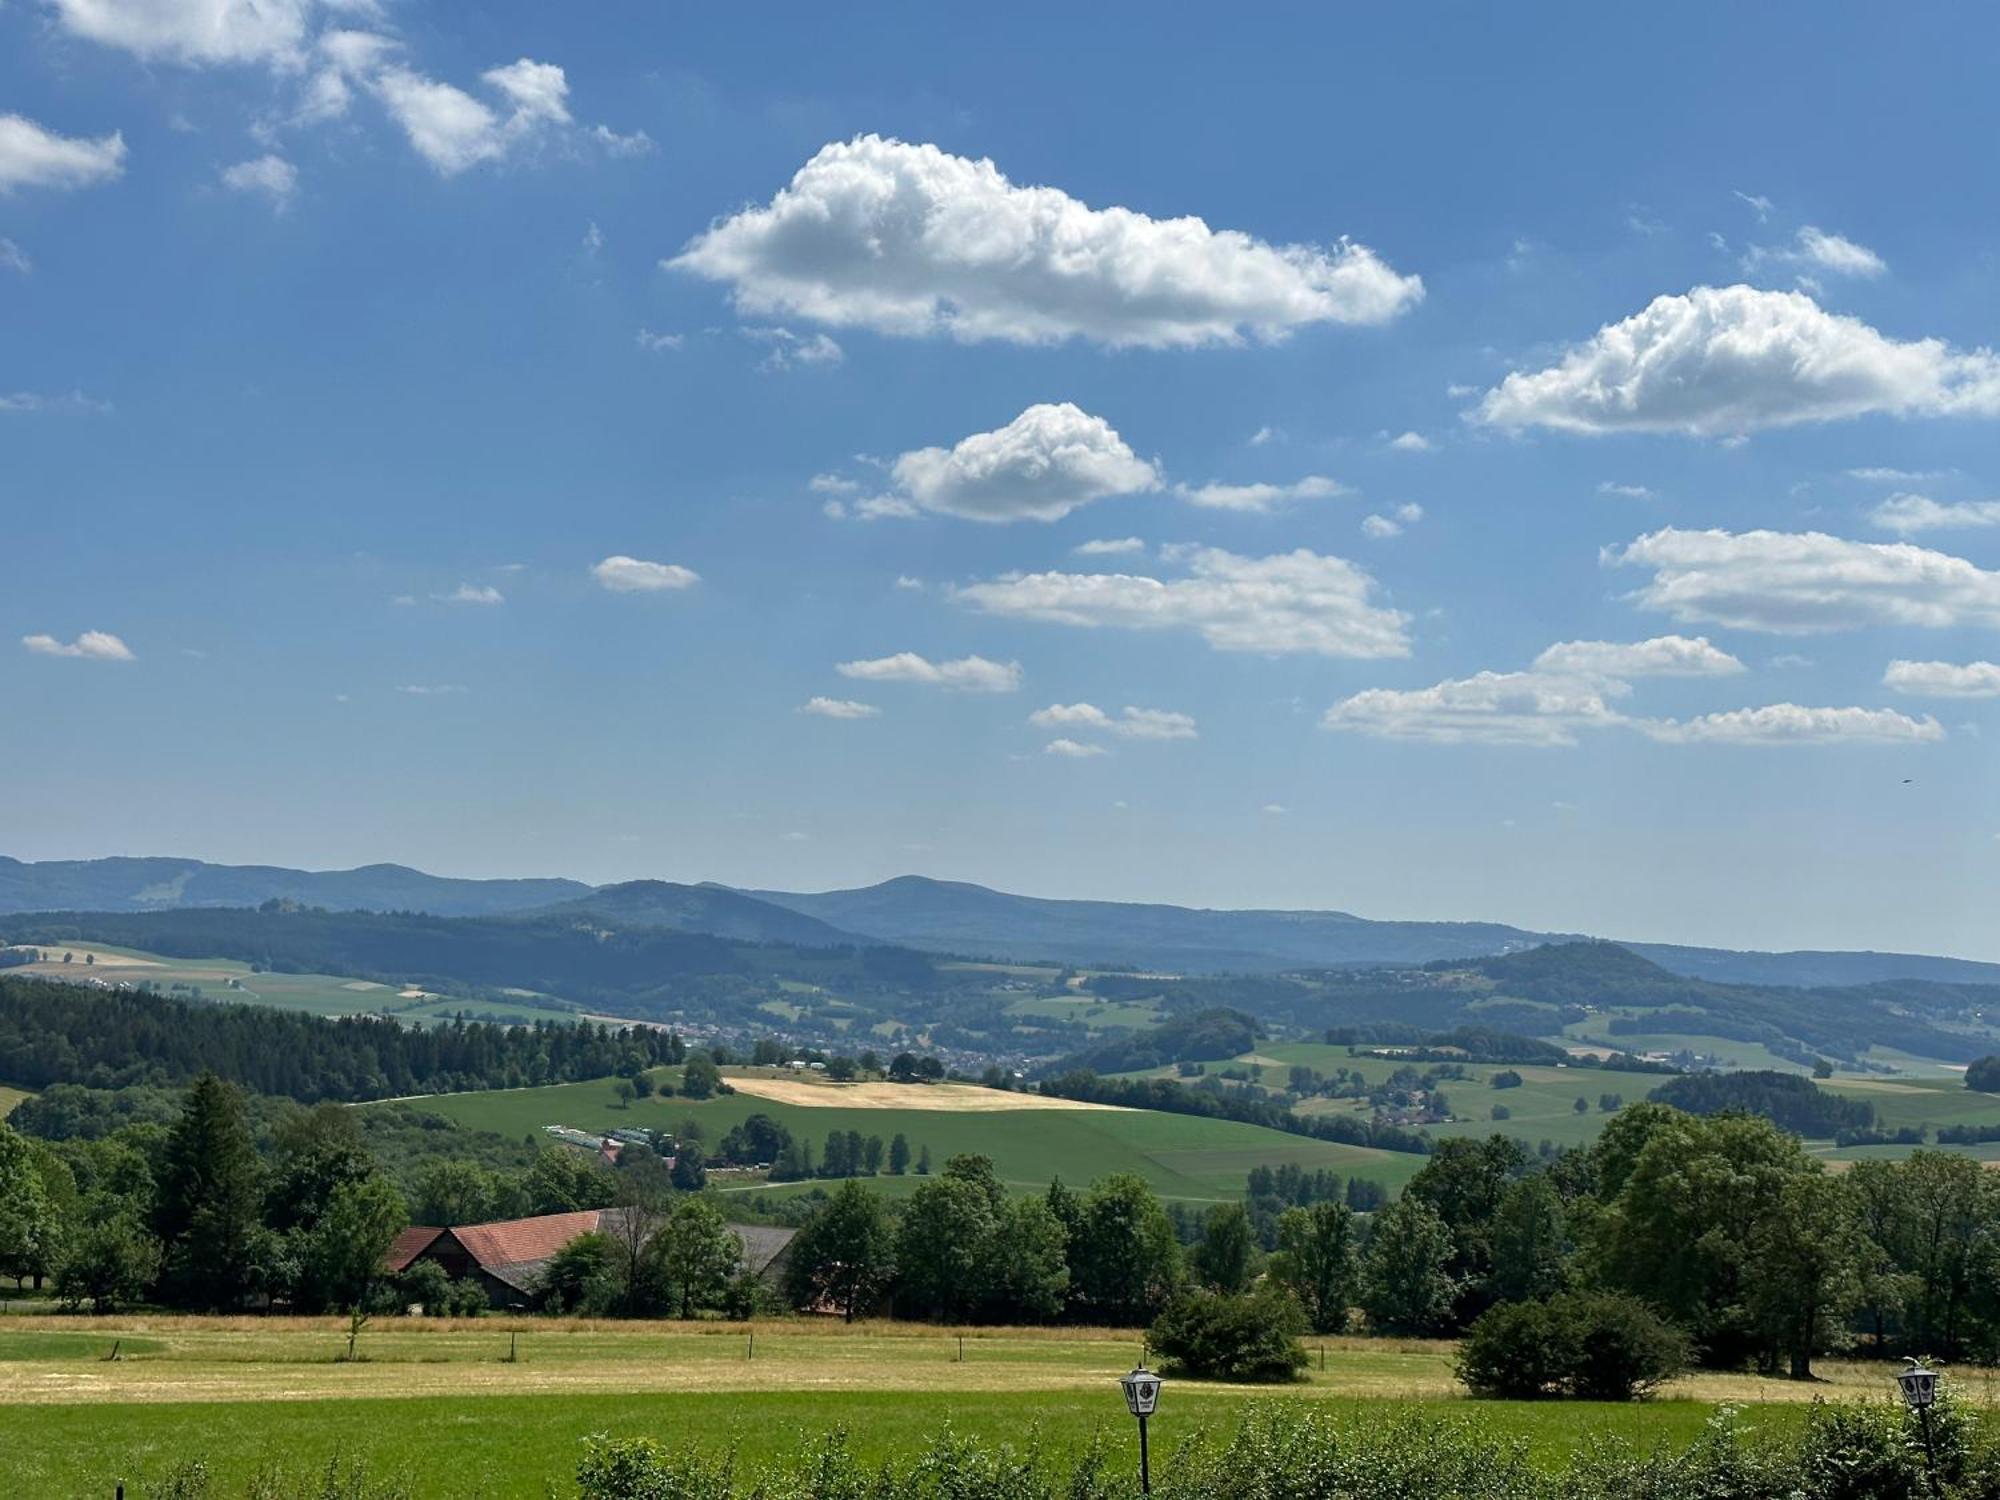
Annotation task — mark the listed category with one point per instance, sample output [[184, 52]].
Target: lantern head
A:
[[1142, 1391], [1919, 1386]]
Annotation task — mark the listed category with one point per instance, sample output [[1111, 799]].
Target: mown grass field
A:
[[225, 979], [1180, 1156], [434, 1401], [9, 1098]]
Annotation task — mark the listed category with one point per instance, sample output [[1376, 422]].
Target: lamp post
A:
[[1142, 1394], [1919, 1386]]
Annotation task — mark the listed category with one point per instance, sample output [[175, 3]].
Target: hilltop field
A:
[[1032, 1140], [436, 1402]]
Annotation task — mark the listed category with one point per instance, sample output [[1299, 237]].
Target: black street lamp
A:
[[1142, 1394], [1919, 1386]]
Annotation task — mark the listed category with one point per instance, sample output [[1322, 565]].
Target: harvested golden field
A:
[[957, 1098]]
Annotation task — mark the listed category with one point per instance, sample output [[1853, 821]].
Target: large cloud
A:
[[1039, 467], [970, 674], [911, 240], [1292, 602], [1724, 361], [1576, 686], [1791, 724], [1944, 679], [1802, 583], [194, 31], [33, 156]]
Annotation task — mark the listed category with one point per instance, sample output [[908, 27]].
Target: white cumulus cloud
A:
[[971, 674], [633, 575], [92, 645], [1944, 679], [1291, 602], [271, 177], [1132, 723], [1908, 514], [911, 240], [1260, 497], [839, 708], [1578, 686], [193, 31], [1045, 463], [1817, 250], [1791, 724], [1411, 442], [1072, 749], [1115, 546], [1803, 583], [33, 156], [472, 593], [1725, 361], [1662, 656]]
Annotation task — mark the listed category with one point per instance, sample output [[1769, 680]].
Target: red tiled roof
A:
[[510, 1242], [408, 1245]]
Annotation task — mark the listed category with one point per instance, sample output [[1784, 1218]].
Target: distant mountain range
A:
[[912, 911]]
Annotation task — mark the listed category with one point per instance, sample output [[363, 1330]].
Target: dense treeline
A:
[[1791, 1102], [110, 1038], [1203, 1036], [1217, 1101]]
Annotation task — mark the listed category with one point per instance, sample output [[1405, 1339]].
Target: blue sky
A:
[[631, 440]]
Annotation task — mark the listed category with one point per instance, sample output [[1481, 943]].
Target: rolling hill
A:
[[713, 909], [133, 884]]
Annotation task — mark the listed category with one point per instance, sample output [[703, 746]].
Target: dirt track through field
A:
[[958, 1098]]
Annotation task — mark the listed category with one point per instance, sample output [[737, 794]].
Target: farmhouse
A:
[[507, 1258]]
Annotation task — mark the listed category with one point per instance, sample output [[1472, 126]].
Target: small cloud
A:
[[1264, 435], [1109, 547], [910, 585], [1899, 476], [431, 690], [1260, 497], [1758, 203], [632, 575], [1642, 222], [1624, 491], [35, 403], [795, 837], [1274, 809], [1411, 442], [970, 674], [14, 258], [1459, 392], [659, 343], [833, 484], [593, 239], [789, 350], [1073, 749], [1791, 661], [270, 177], [472, 593], [92, 645], [839, 708], [1380, 528]]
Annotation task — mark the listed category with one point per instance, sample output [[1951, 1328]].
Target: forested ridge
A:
[[109, 1037]]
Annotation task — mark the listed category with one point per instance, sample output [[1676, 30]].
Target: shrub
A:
[[1506, 1078], [1213, 1336], [1595, 1346]]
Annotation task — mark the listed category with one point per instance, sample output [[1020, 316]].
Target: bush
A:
[[1984, 1075], [1595, 1346], [1212, 1336]]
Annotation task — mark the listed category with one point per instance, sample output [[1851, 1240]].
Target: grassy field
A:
[[1181, 1156], [9, 1098], [316, 994], [435, 1402]]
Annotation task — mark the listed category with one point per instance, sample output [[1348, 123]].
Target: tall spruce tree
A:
[[210, 1193]]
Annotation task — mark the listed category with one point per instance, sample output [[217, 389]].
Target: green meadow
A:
[[438, 1405], [1181, 1156]]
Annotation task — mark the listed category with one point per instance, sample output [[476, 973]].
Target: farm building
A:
[[508, 1258]]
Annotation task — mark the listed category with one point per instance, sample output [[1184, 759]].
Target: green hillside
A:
[[1181, 1156]]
